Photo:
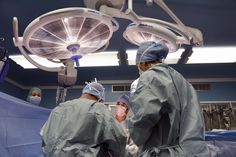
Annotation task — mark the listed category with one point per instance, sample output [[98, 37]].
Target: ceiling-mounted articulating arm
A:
[[61, 95], [112, 8], [128, 14], [15, 31], [149, 2], [162, 4], [68, 76], [174, 33], [130, 4], [188, 50], [196, 40]]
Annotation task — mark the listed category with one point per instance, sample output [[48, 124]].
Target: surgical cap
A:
[[124, 99], [151, 51], [95, 89], [35, 89]]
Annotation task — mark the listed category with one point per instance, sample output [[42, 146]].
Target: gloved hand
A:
[[132, 149]]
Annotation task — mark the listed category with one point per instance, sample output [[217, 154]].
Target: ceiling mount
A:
[[96, 4], [144, 29]]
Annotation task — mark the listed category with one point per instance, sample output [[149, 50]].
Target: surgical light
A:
[[64, 33], [148, 29]]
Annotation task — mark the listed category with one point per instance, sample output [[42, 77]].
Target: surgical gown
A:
[[167, 119], [82, 128]]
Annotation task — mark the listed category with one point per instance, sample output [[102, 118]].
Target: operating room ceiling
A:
[[216, 19]]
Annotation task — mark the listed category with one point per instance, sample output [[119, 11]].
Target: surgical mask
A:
[[120, 113], [35, 100]]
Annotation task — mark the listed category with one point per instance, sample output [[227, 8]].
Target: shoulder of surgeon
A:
[[161, 68], [85, 104], [157, 75]]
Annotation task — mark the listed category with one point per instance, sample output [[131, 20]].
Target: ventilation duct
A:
[[201, 86], [120, 88]]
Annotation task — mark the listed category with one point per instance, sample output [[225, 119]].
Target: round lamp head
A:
[[64, 33], [145, 31]]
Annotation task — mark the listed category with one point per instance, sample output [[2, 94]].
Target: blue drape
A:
[[20, 123]]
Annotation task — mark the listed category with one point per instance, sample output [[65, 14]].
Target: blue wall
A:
[[220, 91], [10, 89], [49, 95]]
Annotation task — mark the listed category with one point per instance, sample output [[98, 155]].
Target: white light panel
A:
[[108, 58], [200, 55], [213, 55], [172, 58]]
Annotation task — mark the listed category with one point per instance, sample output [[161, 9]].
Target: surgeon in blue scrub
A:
[[168, 120], [83, 127]]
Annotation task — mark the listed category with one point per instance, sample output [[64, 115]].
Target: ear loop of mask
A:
[[102, 94]]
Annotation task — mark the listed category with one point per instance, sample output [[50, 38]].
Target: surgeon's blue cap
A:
[[151, 51], [125, 99], [96, 89]]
